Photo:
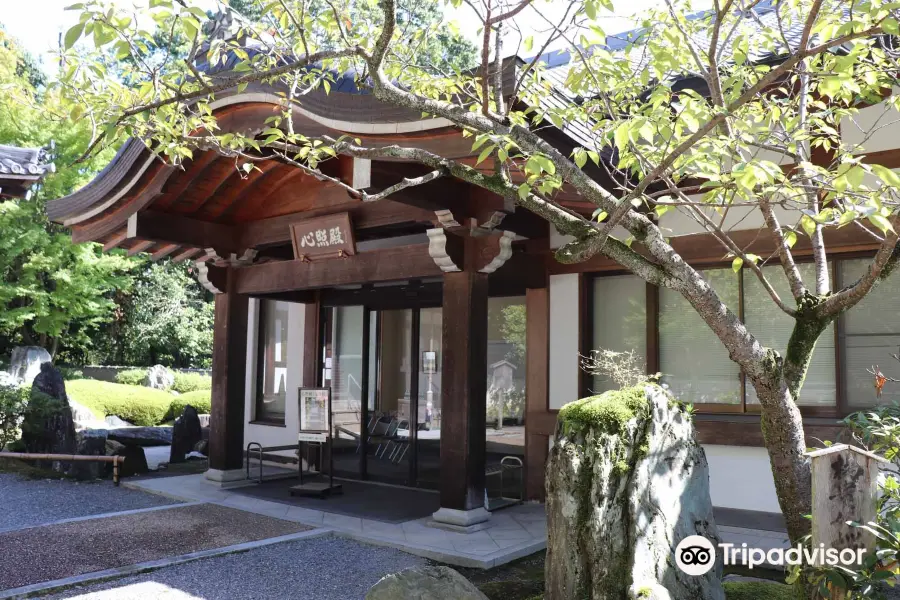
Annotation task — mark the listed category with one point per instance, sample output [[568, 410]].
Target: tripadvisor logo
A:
[[696, 555]]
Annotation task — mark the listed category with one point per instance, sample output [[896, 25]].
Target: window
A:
[[871, 335], [620, 319], [694, 363], [272, 361], [773, 329]]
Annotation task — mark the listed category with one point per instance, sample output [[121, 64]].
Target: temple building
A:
[[448, 335], [21, 168]]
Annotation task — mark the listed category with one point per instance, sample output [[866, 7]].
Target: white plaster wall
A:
[[271, 435], [564, 316], [881, 120], [740, 477]]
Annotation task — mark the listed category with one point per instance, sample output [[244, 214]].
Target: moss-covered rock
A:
[[626, 482]]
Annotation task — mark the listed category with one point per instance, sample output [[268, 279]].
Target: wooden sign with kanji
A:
[[323, 237]]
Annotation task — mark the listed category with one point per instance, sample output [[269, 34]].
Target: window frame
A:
[[259, 414], [839, 410]]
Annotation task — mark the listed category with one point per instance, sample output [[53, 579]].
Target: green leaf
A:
[[73, 34], [485, 153], [601, 216], [886, 175], [881, 222], [790, 237], [524, 191], [528, 43], [737, 263], [808, 225]]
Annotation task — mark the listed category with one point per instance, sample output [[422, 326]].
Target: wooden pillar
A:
[[311, 349], [537, 380], [229, 366], [463, 395]]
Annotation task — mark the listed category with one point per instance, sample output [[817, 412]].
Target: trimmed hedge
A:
[[199, 399], [132, 377], [136, 404], [191, 382]]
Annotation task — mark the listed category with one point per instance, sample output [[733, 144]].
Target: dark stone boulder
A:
[[48, 427], [142, 436], [185, 434], [114, 448], [135, 461], [90, 442]]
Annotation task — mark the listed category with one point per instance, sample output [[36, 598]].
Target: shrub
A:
[[132, 377], [13, 403], [138, 405], [191, 382], [69, 373], [199, 399]]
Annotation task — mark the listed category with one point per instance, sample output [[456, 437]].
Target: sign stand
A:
[[315, 429]]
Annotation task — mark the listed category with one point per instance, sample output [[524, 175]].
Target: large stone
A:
[[159, 378], [626, 481], [48, 427], [185, 434], [142, 436], [25, 363], [425, 583], [90, 442], [135, 461]]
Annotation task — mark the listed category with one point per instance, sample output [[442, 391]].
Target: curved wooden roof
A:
[[211, 191]]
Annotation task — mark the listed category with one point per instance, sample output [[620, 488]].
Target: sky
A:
[[37, 24]]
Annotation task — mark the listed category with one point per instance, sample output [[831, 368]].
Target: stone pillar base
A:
[[226, 479], [461, 521]]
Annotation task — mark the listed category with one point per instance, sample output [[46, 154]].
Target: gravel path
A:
[[29, 502], [47, 553], [324, 568]]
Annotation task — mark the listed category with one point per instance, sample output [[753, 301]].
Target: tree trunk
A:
[[782, 428]]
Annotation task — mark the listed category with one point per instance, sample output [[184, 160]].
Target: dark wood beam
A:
[[702, 249], [226, 438], [185, 231], [115, 241], [363, 215], [404, 262], [139, 247], [186, 254], [164, 252]]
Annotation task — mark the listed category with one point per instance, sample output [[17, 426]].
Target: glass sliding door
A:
[[388, 457], [428, 417], [342, 371], [384, 371]]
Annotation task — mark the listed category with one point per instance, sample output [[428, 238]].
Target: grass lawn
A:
[[136, 404]]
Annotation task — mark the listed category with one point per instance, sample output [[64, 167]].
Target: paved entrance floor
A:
[[388, 504], [513, 533]]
